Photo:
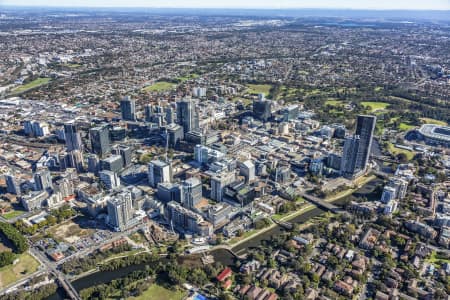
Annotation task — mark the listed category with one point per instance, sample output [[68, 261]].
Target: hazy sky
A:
[[354, 4]]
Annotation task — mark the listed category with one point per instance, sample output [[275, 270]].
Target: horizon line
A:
[[228, 8]]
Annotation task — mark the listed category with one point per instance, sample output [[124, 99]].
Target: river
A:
[[223, 256]]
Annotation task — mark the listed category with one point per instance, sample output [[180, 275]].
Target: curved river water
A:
[[220, 255]]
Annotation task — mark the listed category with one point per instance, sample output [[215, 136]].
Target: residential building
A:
[[120, 210]]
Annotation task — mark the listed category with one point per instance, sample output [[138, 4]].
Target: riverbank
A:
[[358, 184], [221, 253], [117, 256], [270, 227]]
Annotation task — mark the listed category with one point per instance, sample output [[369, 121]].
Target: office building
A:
[[219, 214], [282, 174], [262, 109], [191, 192], [175, 134], [120, 211], [159, 171], [334, 161], [199, 92], [75, 160], [169, 115], [109, 179], [247, 169], [12, 185], [93, 163], [168, 191], [128, 109], [114, 163], [290, 113], [35, 128], [118, 133], [204, 155], [148, 112], [218, 184], [125, 152], [41, 129], [100, 140], [316, 167], [43, 180], [187, 115], [72, 137]]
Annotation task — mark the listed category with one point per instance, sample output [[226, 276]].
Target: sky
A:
[[276, 4]]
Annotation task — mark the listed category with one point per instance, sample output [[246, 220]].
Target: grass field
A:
[[259, 88], [375, 106], [160, 86], [33, 84], [433, 121], [288, 92], [394, 150], [187, 77], [12, 214], [378, 89], [12, 273], [334, 102], [405, 127], [157, 292]]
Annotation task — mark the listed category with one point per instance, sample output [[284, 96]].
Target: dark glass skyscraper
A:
[[128, 109], [148, 111], [365, 127], [187, 115], [100, 140], [262, 109], [72, 136], [12, 186], [357, 148]]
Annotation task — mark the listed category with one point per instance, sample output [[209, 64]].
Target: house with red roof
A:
[[224, 274]]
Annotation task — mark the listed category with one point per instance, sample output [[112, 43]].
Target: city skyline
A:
[[251, 4]]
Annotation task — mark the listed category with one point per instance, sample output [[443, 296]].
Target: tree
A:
[[402, 158], [6, 258]]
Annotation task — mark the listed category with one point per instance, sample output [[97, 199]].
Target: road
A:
[[63, 280], [90, 249]]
